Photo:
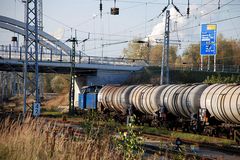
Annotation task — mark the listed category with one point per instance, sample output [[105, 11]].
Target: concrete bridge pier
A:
[[101, 77]]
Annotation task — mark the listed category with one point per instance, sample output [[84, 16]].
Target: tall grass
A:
[[36, 139]]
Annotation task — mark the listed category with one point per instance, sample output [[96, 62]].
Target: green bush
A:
[[222, 79], [58, 84], [129, 143]]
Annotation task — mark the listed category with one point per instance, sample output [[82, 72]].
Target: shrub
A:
[[129, 143], [58, 84]]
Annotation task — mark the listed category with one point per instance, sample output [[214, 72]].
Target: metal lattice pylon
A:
[[72, 75], [31, 84], [40, 28], [165, 53]]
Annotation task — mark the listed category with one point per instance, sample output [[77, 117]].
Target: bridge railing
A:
[[219, 68], [112, 61], [10, 52], [197, 67]]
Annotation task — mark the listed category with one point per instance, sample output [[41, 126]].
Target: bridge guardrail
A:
[[9, 52]]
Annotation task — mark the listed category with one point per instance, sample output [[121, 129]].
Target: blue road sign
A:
[[209, 39]]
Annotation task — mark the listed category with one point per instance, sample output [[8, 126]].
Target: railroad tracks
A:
[[72, 130], [191, 145], [161, 144]]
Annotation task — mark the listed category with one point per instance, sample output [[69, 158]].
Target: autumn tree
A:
[[228, 52], [136, 51], [152, 54], [192, 54]]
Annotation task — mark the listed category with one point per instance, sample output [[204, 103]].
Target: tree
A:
[[153, 54], [59, 84], [156, 55], [227, 52], [136, 51], [192, 54]]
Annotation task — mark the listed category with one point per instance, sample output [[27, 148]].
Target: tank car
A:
[[220, 109], [115, 98], [182, 100], [193, 106]]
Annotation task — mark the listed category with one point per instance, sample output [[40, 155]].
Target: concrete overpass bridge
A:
[[54, 56], [12, 60]]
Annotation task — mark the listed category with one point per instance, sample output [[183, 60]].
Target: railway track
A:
[[152, 142], [192, 146], [152, 139]]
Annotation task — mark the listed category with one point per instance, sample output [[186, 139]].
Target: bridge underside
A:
[[43, 68]]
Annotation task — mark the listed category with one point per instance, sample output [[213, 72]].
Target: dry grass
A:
[[36, 139], [59, 100]]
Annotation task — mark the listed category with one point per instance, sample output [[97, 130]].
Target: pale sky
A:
[[133, 22]]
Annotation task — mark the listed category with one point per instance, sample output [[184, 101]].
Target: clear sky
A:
[[134, 21]]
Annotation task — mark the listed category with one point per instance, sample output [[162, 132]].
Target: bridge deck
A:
[[13, 59]]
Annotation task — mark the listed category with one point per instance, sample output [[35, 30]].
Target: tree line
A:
[[228, 53]]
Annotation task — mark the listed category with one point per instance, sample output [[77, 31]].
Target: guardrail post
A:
[[61, 56], [51, 56], [10, 52], [80, 56], [2, 47], [6, 48], [20, 53]]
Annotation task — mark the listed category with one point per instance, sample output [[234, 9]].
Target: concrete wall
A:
[[108, 77]]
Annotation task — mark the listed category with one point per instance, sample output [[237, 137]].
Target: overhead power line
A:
[[161, 3]]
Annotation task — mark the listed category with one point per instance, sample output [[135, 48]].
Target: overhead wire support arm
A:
[[188, 9], [101, 9], [164, 9], [176, 8], [109, 44]]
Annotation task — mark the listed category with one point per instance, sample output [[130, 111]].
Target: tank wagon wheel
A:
[[155, 123], [186, 127]]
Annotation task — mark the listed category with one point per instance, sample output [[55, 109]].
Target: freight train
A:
[[213, 109]]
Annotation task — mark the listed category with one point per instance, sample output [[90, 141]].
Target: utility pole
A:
[[165, 53], [72, 75], [31, 85]]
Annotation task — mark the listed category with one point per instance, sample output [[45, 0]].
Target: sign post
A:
[[36, 109], [209, 43]]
